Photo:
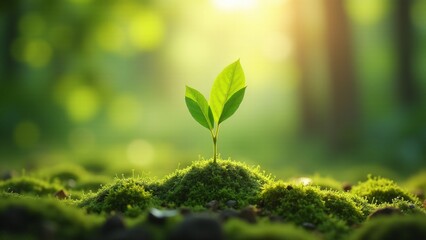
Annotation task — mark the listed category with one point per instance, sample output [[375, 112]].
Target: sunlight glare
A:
[[230, 5], [304, 181]]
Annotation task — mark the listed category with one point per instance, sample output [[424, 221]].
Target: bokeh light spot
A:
[[124, 112], [140, 152], [146, 30], [366, 12], [82, 103], [26, 134], [37, 53]]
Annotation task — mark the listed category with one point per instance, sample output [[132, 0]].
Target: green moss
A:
[[392, 227], [130, 196], [406, 207], [362, 203], [295, 203], [237, 229], [332, 212], [343, 206], [73, 177], [205, 181], [42, 219], [63, 172], [381, 190], [30, 185]]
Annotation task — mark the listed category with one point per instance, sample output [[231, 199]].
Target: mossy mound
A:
[[44, 219], [379, 190], [63, 172], [417, 184], [239, 230], [73, 177], [331, 212], [405, 207], [31, 186], [205, 181], [345, 206], [130, 196], [392, 227], [295, 203]]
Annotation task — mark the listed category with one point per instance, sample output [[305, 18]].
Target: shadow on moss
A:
[[44, 219], [30, 186], [392, 227]]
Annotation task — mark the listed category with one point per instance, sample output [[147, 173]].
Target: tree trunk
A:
[[407, 92], [10, 32], [344, 116], [309, 117]]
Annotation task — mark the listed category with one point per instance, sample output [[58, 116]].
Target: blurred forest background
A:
[[336, 87]]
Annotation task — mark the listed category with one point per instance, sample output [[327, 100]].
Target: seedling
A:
[[225, 97]]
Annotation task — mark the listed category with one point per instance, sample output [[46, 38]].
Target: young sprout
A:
[[225, 97]]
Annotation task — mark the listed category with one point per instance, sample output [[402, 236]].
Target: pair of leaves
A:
[[225, 97]]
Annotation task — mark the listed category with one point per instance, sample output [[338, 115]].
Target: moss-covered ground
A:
[[207, 200]]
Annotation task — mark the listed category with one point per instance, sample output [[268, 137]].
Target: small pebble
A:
[[248, 214], [231, 203], [347, 187], [213, 205], [158, 217], [61, 194], [308, 226]]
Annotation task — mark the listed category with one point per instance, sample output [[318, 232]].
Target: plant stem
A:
[[214, 136], [214, 149]]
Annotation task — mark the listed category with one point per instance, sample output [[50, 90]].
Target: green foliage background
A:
[[101, 83]]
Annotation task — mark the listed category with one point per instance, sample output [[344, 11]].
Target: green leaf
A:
[[232, 104], [198, 107], [227, 83]]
